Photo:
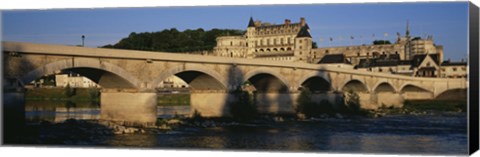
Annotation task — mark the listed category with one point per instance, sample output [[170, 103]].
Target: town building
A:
[[74, 81]]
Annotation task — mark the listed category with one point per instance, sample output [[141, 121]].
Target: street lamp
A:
[[83, 40]]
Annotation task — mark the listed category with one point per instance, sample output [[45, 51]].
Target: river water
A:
[[440, 133]]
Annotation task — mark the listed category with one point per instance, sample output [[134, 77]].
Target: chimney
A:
[[287, 22], [302, 21]]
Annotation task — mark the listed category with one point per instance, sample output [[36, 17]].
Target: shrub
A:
[[244, 109], [69, 91]]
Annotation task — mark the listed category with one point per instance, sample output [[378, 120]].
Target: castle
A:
[[412, 56]]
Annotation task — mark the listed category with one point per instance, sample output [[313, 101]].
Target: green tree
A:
[[381, 42], [244, 109], [172, 40]]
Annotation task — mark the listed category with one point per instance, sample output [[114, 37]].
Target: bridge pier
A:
[[128, 106], [388, 99], [212, 103], [276, 103]]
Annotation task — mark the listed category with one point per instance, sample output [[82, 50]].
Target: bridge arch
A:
[[198, 77], [384, 87], [266, 80], [317, 82], [453, 94], [107, 75], [355, 85], [411, 91]]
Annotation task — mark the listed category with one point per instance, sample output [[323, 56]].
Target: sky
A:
[[445, 21]]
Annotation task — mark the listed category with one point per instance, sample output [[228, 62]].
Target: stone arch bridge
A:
[[128, 79]]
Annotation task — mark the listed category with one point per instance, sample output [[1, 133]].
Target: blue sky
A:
[[447, 22]]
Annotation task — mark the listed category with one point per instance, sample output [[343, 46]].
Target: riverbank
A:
[[63, 94], [78, 95]]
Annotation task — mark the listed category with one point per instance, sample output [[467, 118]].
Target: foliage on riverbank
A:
[[417, 107], [63, 94], [173, 99], [244, 109]]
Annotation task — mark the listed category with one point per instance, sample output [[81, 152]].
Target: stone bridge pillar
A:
[[129, 106], [212, 103], [276, 102]]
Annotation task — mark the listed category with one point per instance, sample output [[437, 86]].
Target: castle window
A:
[[288, 40], [358, 53], [289, 49], [300, 47], [256, 42], [231, 43], [274, 41], [282, 49], [454, 69], [281, 41], [326, 52], [300, 41]]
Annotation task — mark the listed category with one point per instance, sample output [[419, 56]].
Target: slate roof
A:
[[448, 63], [334, 58], [418, 59], [304, 32], [251, 23]]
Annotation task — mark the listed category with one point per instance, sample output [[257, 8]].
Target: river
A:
[[442, 133]]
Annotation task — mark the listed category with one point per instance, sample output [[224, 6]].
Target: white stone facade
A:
[[282, 42], [63, 80]]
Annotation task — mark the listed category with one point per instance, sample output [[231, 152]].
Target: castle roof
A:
[[334, 59], [448, 63], [251, 23], [304, 32], [418, 59]]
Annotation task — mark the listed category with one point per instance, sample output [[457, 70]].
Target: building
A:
[[285, 42], [454, 69], [173, 82], [405, 47], [410, 56], [336, 60], [74, 81]]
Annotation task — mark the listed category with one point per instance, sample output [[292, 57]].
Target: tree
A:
[[381, 42], [172, 40], [314, 45], [69, 91]]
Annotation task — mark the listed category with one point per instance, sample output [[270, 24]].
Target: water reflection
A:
[[59, 111], [404, 134]]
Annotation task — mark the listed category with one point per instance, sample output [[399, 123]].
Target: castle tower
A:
[[250, 37], [303, 44], [408, 52]]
